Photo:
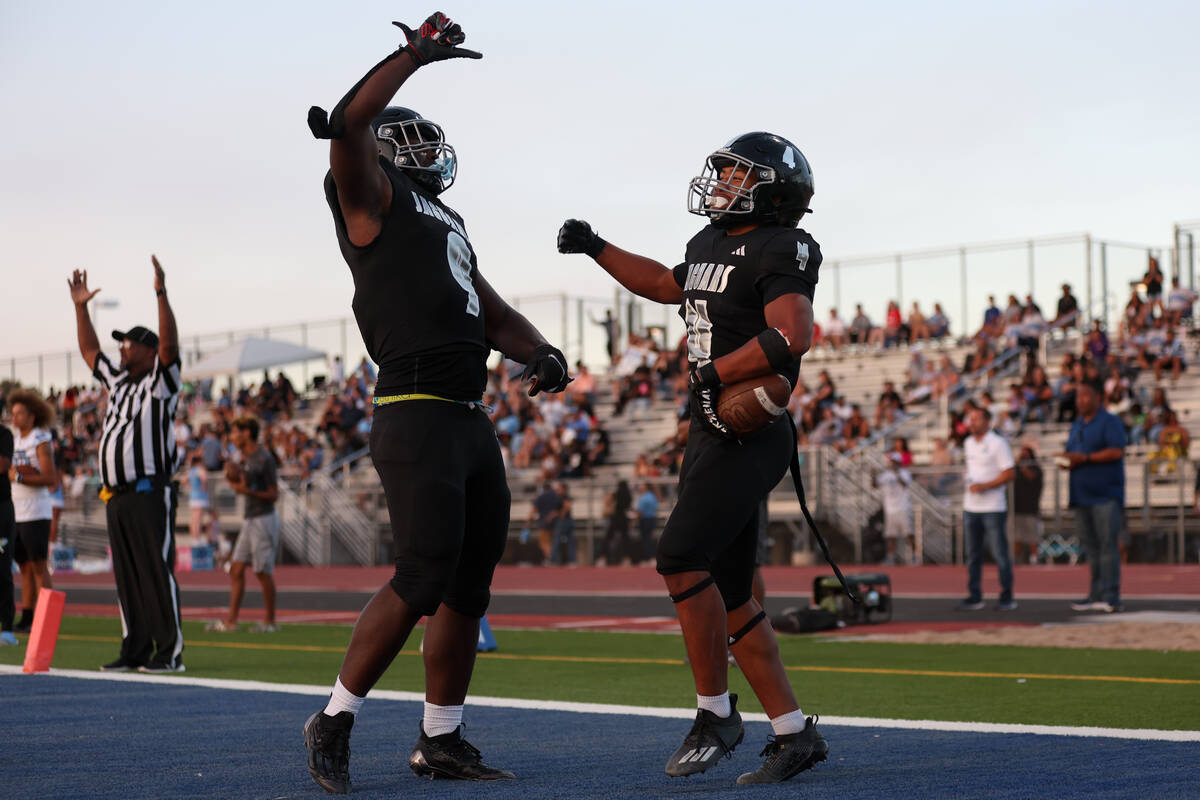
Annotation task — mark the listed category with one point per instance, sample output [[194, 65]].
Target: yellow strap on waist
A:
[[106, 494], [396, 398]]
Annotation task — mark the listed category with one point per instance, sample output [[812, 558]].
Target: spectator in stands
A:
[[1170, 354], [993, 321], [1135, 314], [826, 390], [1030, 305], [918, 325], [828, 429], [958, 430], [893, 329], [945, 377], [1030, 329], [985, 506], [647, 514], [860, 326], [893, 482], [979, 358], [1013, 311], [901, 450], [337, 373], [1037, 397], [1067, 305], [938, 323], [835, 331], [1173, 444], [1027, 497], [1156, 415], [543, 516], [1095, 346], [889, 405], [854, 430], [582, 390], [639, 389], [616, 544], [1179, 302], [1095, 456], [1153, 281]]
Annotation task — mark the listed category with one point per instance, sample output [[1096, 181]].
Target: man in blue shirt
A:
[[647, 511], [1095, 455]]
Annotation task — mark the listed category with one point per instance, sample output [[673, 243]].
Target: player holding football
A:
[[746, 288], [429, 319]]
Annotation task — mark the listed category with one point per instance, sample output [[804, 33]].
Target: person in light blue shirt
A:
[[1095, 456], [647, 512]]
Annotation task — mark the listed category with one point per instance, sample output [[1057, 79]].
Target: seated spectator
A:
[[1095, 346], [583, 389], [826, 390], [901, 452], [981, 357], [860, 326], [854, 431], [1031, 328], [1038, 396], [1030, 305], [938, 323], [1156, 415], [1013, 311], [828, 429], [1170, 354], [918, 326], [944, 378], [893, 329], [888, 405], [1179, 303], [993, 321], [835, 331], [1173, 443]]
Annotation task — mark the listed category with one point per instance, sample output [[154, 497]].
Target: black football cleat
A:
[[710, 739], [789, 755], [452, 756], [327, 740]]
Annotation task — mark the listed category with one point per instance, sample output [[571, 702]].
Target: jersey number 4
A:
[[699, 330], [458, 255]]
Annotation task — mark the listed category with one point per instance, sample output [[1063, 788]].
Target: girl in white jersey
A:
[[32, 475]]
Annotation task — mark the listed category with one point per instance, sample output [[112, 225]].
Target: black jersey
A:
[[414, 295], [727, 280]]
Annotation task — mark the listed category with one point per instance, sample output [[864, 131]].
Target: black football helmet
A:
[[779, 195], [416, 145]]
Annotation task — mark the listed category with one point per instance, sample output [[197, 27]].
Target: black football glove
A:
[[437, 40], [704, 385], [548, 369], [576, 236]]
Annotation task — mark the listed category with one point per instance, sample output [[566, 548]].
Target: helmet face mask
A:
[[417, 146], [767, 180]]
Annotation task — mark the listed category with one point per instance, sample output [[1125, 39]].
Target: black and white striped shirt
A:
[[138, 440]]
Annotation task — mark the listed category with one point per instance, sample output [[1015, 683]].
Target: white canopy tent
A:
[[249, 355]]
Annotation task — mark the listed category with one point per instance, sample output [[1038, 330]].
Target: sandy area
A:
[[1115, 635]]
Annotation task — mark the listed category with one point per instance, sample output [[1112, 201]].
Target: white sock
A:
[[441, 719], [717, 704], [342, 699], [791, 722]]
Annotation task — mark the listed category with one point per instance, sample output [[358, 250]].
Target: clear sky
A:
[[179, 129]]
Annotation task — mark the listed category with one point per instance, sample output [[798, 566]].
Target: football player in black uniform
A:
[[429, 319], [746, 288]]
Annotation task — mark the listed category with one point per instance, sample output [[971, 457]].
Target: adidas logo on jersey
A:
[[741, 251]]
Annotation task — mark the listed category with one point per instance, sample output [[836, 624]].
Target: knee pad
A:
[[420, 585]]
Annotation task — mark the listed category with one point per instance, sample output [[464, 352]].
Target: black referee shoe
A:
[[451, 756], [163, 667], [710, 738], [327, 740], [789, 755], [120, 665]]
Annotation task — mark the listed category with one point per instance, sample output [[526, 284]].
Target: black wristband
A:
[[596, 246], [775, 347], [707, 375], [159, 292]]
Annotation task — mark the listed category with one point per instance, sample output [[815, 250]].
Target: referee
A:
[[137, 458]]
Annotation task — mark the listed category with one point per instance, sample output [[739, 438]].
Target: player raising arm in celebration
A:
[[746, 288], [429, 320]]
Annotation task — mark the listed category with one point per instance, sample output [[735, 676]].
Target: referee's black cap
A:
[[138, 334]]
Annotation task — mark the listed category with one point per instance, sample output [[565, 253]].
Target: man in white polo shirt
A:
[[990, 467]]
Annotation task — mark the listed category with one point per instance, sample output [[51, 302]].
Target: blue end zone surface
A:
[[70, 738]]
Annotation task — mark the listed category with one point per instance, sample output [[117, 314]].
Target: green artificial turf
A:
[[831, 677]]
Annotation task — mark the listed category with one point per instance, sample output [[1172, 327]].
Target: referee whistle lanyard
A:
[[399, 398], [812, 526]]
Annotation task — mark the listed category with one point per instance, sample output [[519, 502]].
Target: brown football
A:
[[749, 405]]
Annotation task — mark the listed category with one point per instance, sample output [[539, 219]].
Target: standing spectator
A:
[[1095, 455], [7, 537], [1179, 305], [257, 479], [1153, 281], [612, 332], [1067, 305], [564, 530], [543, 516], [893, 482], [835, 331], [647, 514], [337, 373], [198, 501], [985, 506], [136, 464], [616, 532], [1027, 498], [211, 453], [32, 471]]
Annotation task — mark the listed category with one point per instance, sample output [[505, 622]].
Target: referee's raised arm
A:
[[89, 345], [168, 336]]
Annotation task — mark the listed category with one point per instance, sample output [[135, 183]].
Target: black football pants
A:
[[141, 533]]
